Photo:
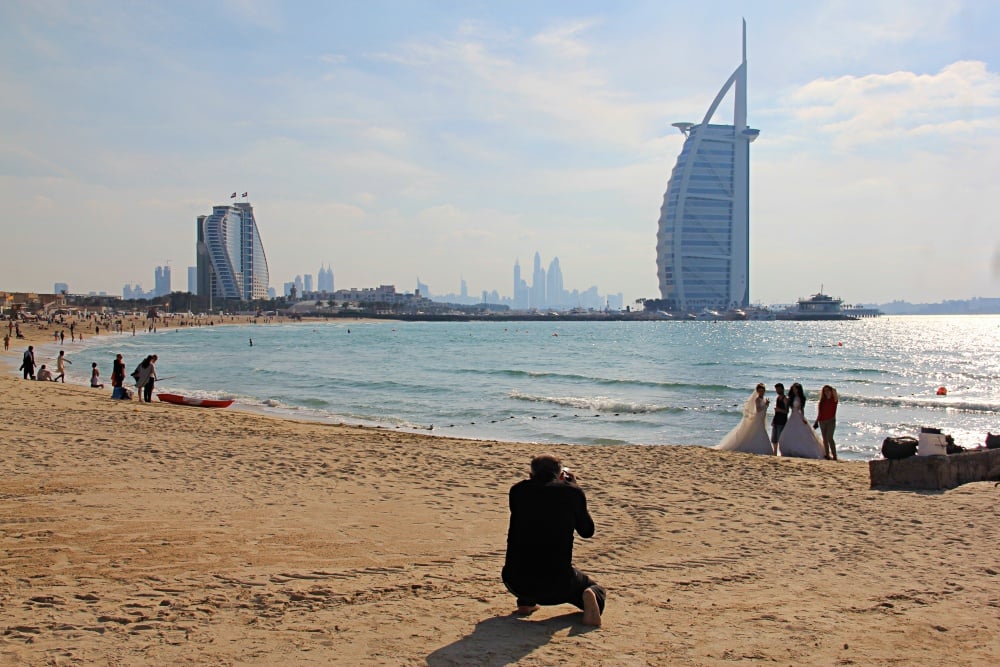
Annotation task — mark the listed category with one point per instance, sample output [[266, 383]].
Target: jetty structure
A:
[[702, 239]]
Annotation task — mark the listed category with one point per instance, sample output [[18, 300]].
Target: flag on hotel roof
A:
[[232, 196]]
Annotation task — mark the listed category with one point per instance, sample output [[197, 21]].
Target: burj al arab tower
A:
[[702, 242]]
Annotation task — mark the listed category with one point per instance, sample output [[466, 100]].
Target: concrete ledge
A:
[[935, 472]]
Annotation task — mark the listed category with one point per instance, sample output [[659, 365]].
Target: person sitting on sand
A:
[[544, 512], [45, 374], [95, 377]]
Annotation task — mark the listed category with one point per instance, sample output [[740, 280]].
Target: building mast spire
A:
[[740, 94]]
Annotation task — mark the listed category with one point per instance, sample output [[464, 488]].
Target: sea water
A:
[[604, 383]]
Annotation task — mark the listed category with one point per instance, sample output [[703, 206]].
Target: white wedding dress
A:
[[797, 438], [750, 435]]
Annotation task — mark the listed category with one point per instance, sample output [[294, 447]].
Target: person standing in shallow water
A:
[[545, 510], [826, 419], [780, 415], [61, 362]]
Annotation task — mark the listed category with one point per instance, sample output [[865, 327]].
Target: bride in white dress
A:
[[797, 439], [750, 435]]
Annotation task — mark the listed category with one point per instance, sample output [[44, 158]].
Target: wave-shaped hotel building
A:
[[702, 242], [231, 259]]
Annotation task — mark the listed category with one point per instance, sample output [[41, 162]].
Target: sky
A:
[[441, 140]]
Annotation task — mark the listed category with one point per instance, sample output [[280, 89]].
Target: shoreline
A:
[[282, 402], [160, 534]]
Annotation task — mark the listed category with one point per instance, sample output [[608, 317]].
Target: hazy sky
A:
[[437, 139]]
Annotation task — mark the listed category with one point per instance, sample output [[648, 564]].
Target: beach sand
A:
[[153, 534]]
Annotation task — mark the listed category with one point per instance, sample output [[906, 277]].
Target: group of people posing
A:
[[790, 432]]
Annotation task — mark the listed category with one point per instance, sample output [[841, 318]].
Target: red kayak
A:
[[197, 402]]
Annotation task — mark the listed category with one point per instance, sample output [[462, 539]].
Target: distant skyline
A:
[[393, 140]]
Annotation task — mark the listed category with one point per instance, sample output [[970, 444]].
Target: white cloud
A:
[[856, 110], [564, 41]]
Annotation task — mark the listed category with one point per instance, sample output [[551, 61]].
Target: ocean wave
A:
[[935, 402], [596, 403], [591, 379]]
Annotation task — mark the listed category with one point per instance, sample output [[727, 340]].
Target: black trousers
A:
[[147, 390], [567, 592]]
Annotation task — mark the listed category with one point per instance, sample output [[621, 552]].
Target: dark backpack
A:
[[899, 447], [993, 441]]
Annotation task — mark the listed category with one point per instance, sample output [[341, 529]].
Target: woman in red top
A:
[[826, 420]]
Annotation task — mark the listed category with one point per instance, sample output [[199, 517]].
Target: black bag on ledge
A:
[[899, 447], [993, 441]]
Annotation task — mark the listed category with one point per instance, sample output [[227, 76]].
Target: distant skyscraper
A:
[[193, 279], [423, 289], [161, 285], [231, 260], [554, 285], [307, 282], [299, 286], [537, 298], [325, 280], [463, 289], [702, 242], [60, 288], [518, 285]]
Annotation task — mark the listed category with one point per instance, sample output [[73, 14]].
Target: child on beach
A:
[[95, 377], [61, 362]]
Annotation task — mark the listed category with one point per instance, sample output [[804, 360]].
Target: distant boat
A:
[[756, 313], [178, 399], [819, 306]]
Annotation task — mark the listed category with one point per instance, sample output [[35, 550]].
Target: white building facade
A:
[[702, 240], [231, 259]]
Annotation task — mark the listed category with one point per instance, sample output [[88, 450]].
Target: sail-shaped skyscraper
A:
[[231, 260], [702, 241]]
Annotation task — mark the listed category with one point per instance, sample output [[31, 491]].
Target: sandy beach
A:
[[152, 534]]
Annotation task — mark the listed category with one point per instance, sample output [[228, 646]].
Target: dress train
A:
[[750, 435], [798, 439]]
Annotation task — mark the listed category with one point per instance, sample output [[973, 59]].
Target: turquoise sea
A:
[[606, 383]]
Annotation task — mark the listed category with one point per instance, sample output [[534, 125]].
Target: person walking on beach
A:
[[826, 419], [28, 363], [6, 342], [61, 362], [780, 415], [545, 510]]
